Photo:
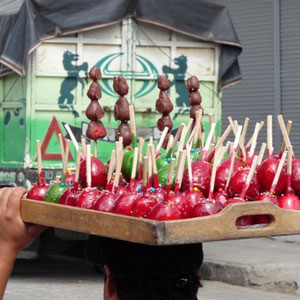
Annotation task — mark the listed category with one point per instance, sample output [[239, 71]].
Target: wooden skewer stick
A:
[[95, 149], [208, 141], [88, 166], [192, 136], [233, 155], [154, 167], [250, 141], [145, 171], [224, 136], [196, 127], [66, 157], [39, 156], [241, 144], [202, 139], [261, 153], [62, 148], [198, 135], [288, 129], [182, 138], [132, 120], [290, 161], [171, 139], [74, 141], [134, 166], [244, 132], [250, 176], [217, 160], [141, 145], [120, 143], [118, 168], [77, 165], [211, 120], [161, 140], [278, 172], [284, 132], [83, 143], [189, 163], [170, 175], [270, 135], [254, 140], [149, 165], [180, 169], [112, 165], [176, 138]]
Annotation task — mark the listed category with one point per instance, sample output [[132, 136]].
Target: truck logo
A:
[[149, 71]]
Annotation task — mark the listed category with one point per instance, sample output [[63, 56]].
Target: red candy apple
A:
[[88, 198], [105, 202], [206, 208], [164, 211], [266, 173]]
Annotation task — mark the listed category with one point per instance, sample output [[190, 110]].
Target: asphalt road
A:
[[62, 280]]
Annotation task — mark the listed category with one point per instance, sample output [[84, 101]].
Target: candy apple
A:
[[238, 181], [193, 197], [105, 202], [164, 211], [38, 191], [88, 198], [181, 203], [289, 201], [201, 176], [55, 191], [99, 172], [70, 196], [142, 206], [206, 208], [123, 204], [223, 171], [266, 173]]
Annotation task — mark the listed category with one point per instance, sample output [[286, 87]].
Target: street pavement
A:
[[267, 264], [63, 279]]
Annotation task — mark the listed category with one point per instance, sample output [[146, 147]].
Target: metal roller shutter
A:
[[290, 67], [253, 97]]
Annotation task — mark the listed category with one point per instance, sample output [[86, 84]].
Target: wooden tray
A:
[[221, 226]]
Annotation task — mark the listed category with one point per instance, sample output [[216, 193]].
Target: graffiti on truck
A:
[[66, 98]]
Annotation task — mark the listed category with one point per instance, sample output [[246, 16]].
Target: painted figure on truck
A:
[[182, 99], [66, 98]]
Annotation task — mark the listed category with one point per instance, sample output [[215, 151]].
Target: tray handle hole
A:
[[254, 221]]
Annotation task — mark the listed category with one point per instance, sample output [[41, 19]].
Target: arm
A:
[[14, 233]]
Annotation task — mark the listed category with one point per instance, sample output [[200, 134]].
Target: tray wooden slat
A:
[[212, 228]]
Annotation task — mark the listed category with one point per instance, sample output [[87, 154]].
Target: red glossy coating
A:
[[164, 211], [223, 170], [201, 177], [221, 196], [99, 173], [88, 198], [37, 192], [70, 196], [267, 197], [123, 204], [160, 193], [193, 197], [266, 173], [206, 208], [69, 178], [142, 206], [181, 203], [238, 181], [289, 202], [105, 202], [296, 176]]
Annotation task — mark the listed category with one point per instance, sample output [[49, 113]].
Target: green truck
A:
[[53, 92]]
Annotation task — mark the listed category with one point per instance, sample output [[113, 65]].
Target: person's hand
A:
[[14, 233]]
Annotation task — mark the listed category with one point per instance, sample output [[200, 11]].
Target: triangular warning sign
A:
[[53, 128]]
